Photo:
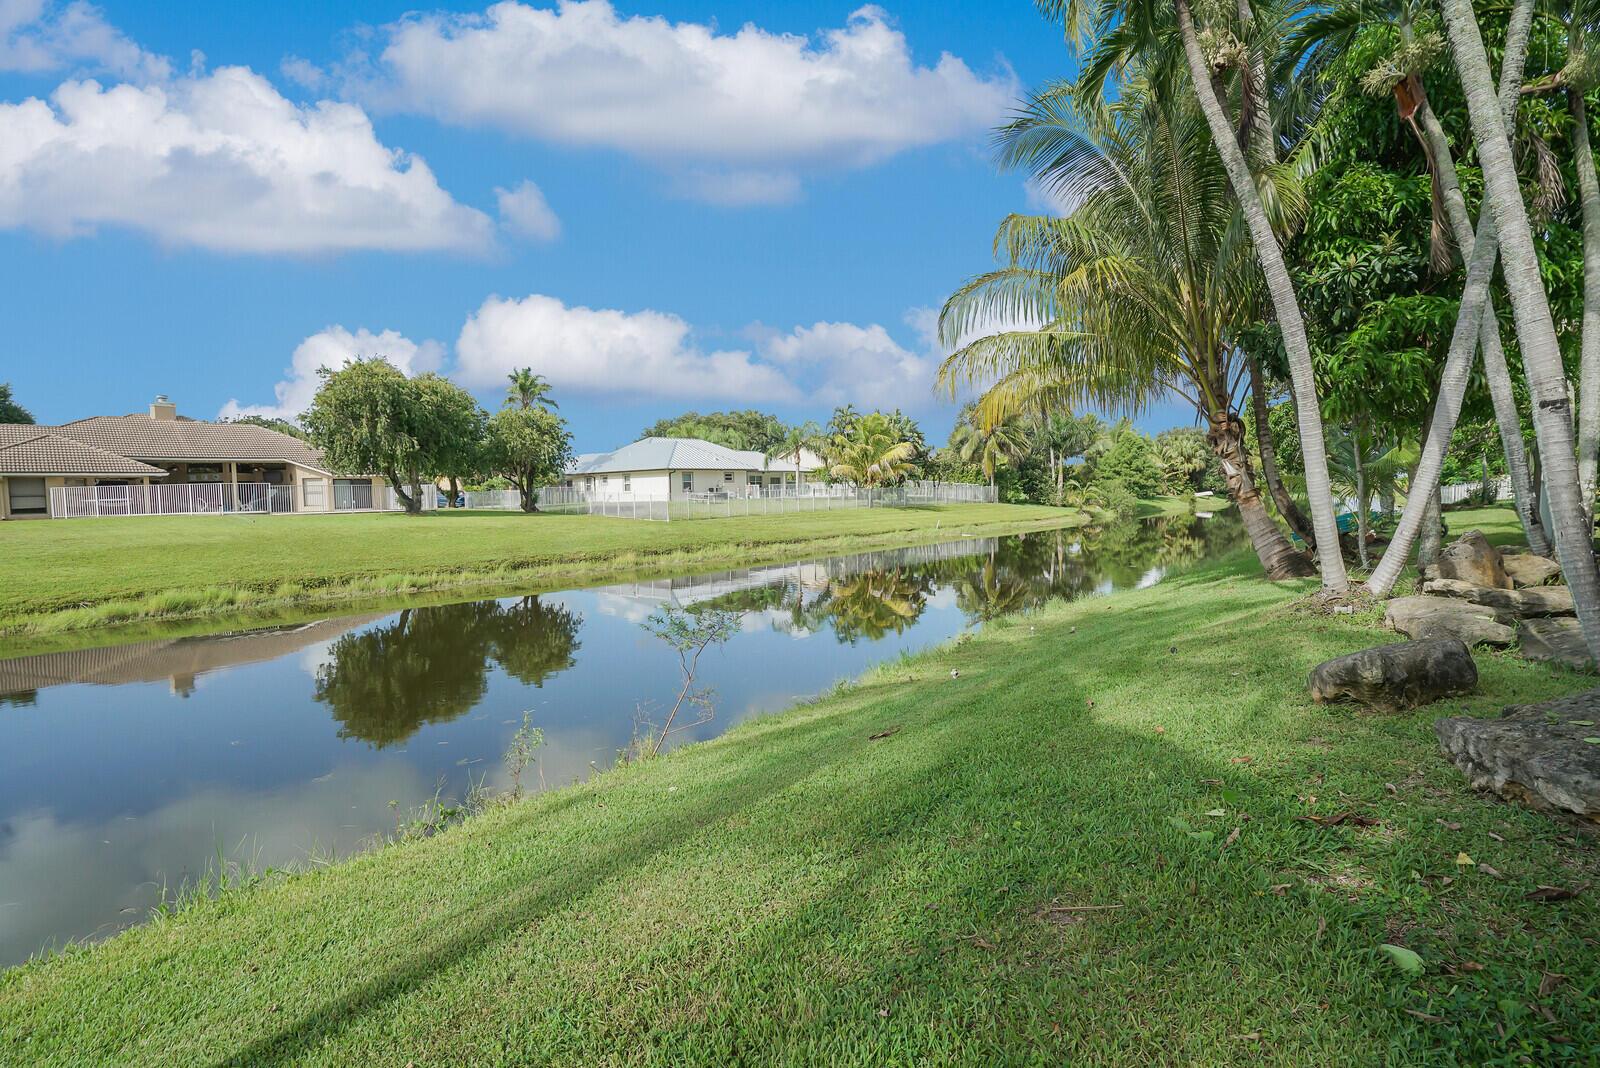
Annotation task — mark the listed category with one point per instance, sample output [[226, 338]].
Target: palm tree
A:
[[990, 444], [874, 456], [528, 389], [807, 437], [1137, 292], [1139, 33], [1541, 355]]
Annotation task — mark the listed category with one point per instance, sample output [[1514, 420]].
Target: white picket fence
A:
[[215, 498], [1464, 490], [765, 500]]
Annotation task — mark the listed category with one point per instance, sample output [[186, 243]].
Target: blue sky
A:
[[660, 205]]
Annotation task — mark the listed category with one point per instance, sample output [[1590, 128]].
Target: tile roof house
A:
[[667, 468], [161, 462]]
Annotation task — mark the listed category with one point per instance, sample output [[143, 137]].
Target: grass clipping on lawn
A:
[[1120, 833]]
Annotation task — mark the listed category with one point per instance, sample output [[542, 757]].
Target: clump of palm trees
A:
[[1180, 155]]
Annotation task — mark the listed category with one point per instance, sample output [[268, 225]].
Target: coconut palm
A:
[[1136, 293], [1141, 31], [796, 440], [990, 444], [528, 389], [874, 455], [1536, 335]]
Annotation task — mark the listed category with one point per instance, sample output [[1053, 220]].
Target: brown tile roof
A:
[[38, 450], [141, 437]]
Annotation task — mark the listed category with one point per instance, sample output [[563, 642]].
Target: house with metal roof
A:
[[674, 468], [159, 462]]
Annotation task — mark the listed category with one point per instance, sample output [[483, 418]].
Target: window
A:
[[589, 484], [314, 494], [627, 483], [688, 482], [727, 476], [205, 473], [28, 496], [775, 480]]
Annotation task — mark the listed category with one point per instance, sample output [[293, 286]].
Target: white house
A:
[[673, 468]]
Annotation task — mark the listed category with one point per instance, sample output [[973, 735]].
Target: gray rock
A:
[[1428, 617], [1397, 677], [1534, 601], [1471, 558], [1535, 754], [1557, 639], [1526, 569], [1451, 588]]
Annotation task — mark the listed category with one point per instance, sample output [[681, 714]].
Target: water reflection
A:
[[126, 769], [431, 665]]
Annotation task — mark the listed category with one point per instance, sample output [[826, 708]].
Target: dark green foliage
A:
[[1129, 459], [282, 426], [10, 410], [745, 430]]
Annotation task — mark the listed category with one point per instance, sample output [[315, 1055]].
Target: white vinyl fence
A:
[[1465, 490], [818, 497], [216, 498]]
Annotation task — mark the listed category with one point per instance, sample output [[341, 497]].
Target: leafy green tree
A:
[[529, 446], [10, 410], [282, 426], [369, 417], [1131, 460], [1187, 463], [748, 430], [458, 426]]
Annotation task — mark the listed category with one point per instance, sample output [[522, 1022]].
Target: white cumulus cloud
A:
[[600, 350], [737, 114], [841, 363], [38, 35], [525, 211], [221, 161], [333, 348]]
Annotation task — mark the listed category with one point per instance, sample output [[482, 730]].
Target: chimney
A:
[[163, 409]]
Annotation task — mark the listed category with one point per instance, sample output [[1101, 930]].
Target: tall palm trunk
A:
[[1421, 511], [1292, 324], [1589, 364], [1507, 418], [1278, 558], [1287, 506], [1536, 332]]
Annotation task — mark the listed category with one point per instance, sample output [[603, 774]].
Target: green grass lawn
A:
[[76, 574], [1082, 843]]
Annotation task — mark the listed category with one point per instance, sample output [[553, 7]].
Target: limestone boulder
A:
[[1393, 678], [1526, 569], [1544, 755], [1556, 639], [1470, 558], [1526, 603], [1426, 617]]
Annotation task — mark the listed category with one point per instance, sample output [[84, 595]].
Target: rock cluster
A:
[[1545, 755], [1484, 596]]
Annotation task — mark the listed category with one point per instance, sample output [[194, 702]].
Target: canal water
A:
[[130, 772]]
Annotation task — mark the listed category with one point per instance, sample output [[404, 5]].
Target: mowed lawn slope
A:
[[1078, 839], [74, 574]]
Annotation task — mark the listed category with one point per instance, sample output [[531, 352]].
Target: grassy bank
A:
[[75, 575], [1082, 840]]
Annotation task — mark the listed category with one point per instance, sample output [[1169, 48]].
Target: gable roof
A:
[[141, 437], [32, 451], [676, 454]]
